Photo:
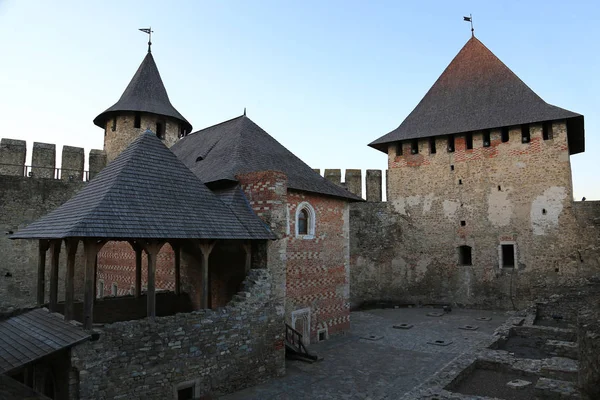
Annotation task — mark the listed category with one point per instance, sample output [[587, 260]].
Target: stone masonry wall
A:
[[218, 351], [115, 141], [23, 200], [318, 270], [407, 249]]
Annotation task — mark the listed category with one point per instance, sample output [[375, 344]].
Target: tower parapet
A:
[[12, 157], [43, 160]]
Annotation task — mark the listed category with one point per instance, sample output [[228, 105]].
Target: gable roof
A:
[[146, 93], [238, 146], [35, 334], [478, 91], [146, 192]]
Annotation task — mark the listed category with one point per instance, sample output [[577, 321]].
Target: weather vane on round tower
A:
[[149, 32], [470, 19]]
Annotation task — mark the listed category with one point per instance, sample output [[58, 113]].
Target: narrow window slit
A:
[[414, 147], [486, 138], [432, 149], [469, 140], [525, 136], [505, 135], [450, 144]]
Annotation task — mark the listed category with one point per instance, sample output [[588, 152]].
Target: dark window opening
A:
[[114, 124], [185, 393], [469, 141], [505, 136], [450, 144], [547, 130], [499, 188], [464, 255], [544, 211], [463, 223], [160, 130], [508, 256], [432, 149], [137, 120], [303, 222], [399, 148], [182, 131], [199, 158], [451, 167], [460, 181], [322, 336], [486, 139], [525, 136], [414, 147]]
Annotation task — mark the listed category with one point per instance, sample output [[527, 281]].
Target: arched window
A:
[[114, 289], [305, 221]]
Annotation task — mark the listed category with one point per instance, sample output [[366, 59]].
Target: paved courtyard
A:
[[384, 368]]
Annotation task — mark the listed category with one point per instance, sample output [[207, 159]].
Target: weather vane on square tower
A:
[[149, 32], [470, 19]]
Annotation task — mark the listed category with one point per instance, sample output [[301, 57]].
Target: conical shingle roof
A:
[[239, 146], [478, 91], [145, 93], [147, 193]]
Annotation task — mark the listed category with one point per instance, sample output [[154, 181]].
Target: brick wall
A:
[[406, 250], [218, 351]]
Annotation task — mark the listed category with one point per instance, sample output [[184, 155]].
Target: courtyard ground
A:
[[377, 361]]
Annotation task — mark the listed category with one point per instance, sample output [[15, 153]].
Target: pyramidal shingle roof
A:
[[145, 93], [147, 192], [478, 91], [238, 146]]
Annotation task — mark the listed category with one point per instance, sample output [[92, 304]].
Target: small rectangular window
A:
[[432, 149], [505, 135], [547, 130], [399, 148], [137, 120], [450, 144], [464, 255], [525, 137], [469, 140], [414, 146], [508, 256], [160, 130], [486, 139], [114, 124]]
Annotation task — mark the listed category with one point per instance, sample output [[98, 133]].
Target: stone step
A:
[[553, 389], [562, 348], [564, 369]]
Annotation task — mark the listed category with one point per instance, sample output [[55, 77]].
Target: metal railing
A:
[[44, 172]]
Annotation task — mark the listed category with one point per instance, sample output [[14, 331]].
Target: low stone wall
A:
[[588, 336], [218, 351]]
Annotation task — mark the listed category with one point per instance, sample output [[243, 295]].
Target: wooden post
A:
[[54, 261], [152, 248], [177, 251], [248, 250], [206, 248], [138, 271], [41, 278], [71, 247], [91, 248]]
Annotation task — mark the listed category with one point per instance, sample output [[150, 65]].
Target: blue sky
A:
[[325, 78]]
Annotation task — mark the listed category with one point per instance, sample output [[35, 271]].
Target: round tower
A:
[[143, 105]]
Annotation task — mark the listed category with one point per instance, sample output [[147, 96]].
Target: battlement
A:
[[353, 182], [13, 155]]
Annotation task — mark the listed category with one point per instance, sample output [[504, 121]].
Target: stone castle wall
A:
[[514, 192], [26, 194], [120, 131], [217, 351]]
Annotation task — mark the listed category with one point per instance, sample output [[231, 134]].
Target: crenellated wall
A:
[[353, 182], [26, 194]]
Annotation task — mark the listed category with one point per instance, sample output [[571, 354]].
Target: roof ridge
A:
[[215, 125]]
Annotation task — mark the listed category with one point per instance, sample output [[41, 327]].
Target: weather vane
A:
[[470, 19], [149, 32]]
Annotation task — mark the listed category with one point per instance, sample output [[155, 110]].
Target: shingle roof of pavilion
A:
[[478, 91], [238, 146], [146, 93], [147, 192]]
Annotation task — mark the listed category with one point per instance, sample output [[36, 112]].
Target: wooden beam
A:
[[91, 248], [54, 263], [206, 248], [177, 251], [41, 278], [71, 248], [138, 271], [152, 248], [248, 250]]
